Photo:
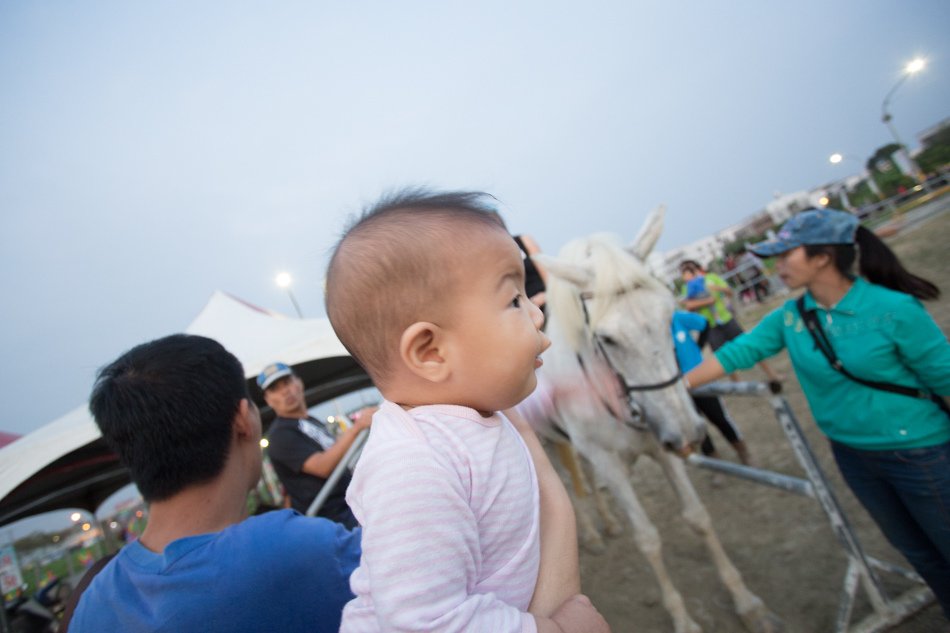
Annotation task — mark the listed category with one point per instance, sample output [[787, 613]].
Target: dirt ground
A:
[[780, 542]]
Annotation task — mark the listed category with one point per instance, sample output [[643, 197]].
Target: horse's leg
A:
[[613, 472], [612, 526], [749, 607], [589, 536], [568, 457]]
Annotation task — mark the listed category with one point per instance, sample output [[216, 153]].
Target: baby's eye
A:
[[516, 302]]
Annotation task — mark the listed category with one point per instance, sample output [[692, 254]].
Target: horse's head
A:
[[604, 304]]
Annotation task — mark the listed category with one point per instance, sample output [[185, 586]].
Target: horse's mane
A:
[[615, 271]]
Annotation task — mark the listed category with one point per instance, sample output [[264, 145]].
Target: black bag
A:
[[810, 318]]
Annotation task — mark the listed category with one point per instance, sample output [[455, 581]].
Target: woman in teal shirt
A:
[[893, 450]]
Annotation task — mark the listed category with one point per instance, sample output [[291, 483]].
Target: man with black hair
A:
[[177, 413]]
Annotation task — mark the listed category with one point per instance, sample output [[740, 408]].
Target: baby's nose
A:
[[537, 316]]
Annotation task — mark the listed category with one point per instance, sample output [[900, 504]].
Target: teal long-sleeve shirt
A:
[[878, 334]]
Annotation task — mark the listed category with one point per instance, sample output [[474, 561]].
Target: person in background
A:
[[466, 526], [892, 448], [303, 449], [536, 278], [723, 326], [689, 355], [178, 414]]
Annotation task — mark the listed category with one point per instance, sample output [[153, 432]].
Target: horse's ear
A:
[[645, 240], [578, 275]]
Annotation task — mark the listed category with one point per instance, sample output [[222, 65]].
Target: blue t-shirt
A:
[[279, 571], [688, 354], [696, 288]]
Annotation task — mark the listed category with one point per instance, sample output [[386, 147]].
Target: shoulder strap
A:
[[74, 597], [810, 319]]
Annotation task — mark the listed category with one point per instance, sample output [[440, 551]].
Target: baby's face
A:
[[495, 330]]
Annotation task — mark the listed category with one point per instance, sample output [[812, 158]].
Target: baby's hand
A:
[[578, 615]]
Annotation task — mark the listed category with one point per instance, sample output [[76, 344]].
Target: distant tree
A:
[[934, 158], [935, 154], [885, 172], [861, 194]]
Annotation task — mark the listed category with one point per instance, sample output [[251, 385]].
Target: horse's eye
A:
[[607, 340]]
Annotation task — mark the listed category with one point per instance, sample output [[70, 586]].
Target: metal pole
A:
[[861, 567], [829, 503], [350, 456], [293, 300], [758, 475], [888, 120]]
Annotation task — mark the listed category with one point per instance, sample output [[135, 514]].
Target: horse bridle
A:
[[625, 386]]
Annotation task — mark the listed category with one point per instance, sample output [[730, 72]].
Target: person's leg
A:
[[707, 447], [907, 493], [719, 335], [711, 407]]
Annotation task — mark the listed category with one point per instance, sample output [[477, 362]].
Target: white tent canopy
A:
[[50, 456]]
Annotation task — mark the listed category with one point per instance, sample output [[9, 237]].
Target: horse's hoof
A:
[[688, 626], [763, 621], [592, 543]]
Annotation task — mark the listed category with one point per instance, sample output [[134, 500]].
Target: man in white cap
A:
[[303, 449]]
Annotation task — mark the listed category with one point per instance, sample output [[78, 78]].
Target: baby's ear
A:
[[420, 350]]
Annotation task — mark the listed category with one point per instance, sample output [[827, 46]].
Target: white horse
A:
[[605, 308]]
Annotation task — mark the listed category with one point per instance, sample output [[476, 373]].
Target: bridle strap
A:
[[627, 387], [603, 401]]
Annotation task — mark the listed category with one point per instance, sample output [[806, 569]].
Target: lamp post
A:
[[912, 68], [284, 280]]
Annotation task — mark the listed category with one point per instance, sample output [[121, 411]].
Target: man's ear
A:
[[420, 350], [243, 424]]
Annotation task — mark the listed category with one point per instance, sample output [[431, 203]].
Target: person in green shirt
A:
[[706, 294], [893, 450]]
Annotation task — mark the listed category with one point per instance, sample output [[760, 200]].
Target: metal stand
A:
[[350, 456], [887, 612]]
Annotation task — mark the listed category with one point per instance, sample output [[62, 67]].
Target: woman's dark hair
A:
[[878, 264]]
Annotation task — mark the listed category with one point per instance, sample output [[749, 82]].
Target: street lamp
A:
[[912, 68], [284, 280]]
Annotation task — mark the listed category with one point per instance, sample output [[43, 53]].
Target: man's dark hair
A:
[[166, 408]]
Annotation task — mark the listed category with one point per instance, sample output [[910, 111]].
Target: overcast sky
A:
[[151, 153]]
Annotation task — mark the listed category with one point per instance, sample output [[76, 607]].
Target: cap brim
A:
[[771, 247]]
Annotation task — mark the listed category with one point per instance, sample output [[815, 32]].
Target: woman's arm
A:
[[923, 348], [707, 371]]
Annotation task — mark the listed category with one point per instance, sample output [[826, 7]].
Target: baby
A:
[[426, 291]]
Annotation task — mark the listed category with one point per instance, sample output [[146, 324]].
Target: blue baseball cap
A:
[[273, 373], [815, 226]]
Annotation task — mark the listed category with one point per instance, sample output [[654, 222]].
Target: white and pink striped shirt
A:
[[449, 505]]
